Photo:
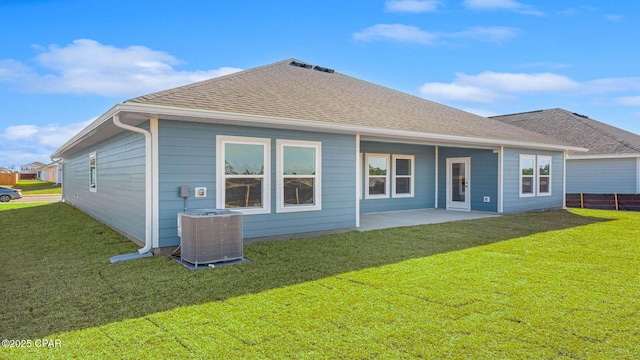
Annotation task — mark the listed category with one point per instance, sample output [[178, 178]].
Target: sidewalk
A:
[[39, 198]]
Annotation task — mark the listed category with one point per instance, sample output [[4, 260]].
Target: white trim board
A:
[[211, 116]]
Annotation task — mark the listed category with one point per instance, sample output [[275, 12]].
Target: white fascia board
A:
[[331, 127], [608, 156], [85, 132], [162, 111]]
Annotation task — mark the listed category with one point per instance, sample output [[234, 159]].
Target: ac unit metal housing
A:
[[210, 236]]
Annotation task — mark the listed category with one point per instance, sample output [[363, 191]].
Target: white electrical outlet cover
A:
[[201, 192]]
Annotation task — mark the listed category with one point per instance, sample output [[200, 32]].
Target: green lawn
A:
[[37, 187], [562, 284]]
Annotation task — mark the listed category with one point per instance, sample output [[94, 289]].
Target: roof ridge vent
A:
[[300, 64], [582, 116], [323, 69]]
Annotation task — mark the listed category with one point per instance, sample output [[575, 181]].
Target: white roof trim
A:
[[85, 132], [161, 111], [604, 156]]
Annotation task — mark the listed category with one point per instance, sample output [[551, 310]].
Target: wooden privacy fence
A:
[[630, 202], [9, 178]]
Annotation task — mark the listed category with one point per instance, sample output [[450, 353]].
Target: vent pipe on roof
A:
[[323, 69], [300, 64], [307, 66]]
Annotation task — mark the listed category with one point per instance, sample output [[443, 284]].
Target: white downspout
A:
[[564, 180], [148, 238]]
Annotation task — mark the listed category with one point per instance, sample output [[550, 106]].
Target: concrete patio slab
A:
[[391, 219]]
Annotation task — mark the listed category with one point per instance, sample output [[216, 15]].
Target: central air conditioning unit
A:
[[210, 235]]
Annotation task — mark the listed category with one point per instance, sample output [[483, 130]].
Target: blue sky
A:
[[65, 62]]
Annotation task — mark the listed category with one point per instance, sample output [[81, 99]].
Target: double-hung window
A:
[[403, 175], [243, 174], [544, 175], [93, 184], [535, 175], [527, 175], [377, 176], [299, 181]]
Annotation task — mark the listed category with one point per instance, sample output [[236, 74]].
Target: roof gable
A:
[[282, 90], [577, 130]]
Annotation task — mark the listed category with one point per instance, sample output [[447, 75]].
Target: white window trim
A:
[[386, 183], [94, 188], [534, 183], [538, 174], [221, 140], [396, 176], [317, 189]]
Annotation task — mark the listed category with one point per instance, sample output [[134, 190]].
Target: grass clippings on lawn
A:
[[539, 285]]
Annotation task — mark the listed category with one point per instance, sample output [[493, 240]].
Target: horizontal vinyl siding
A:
[[602, 176], [187, 156], [483, 179], [424, 191], [512, 200], [120, 197]]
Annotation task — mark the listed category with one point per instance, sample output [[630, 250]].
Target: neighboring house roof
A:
[[577, 130], [5, 170], [306, 97], [34, 166]]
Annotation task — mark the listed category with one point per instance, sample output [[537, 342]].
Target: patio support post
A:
[[501, 180], [638, 175]]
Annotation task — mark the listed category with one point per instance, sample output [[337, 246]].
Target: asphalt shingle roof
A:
[[286, 91], [577, 130]]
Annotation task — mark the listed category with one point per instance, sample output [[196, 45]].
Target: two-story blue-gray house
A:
[[299, 148]]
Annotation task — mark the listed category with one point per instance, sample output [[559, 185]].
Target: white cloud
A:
[[490, 86], [11, 70], [88, 67], [414, 35], [20, 132], [412, 6], [481, 112], [610, 85], [488, 5], [496, 34], [21, 144], [52, 135], [577, 10], [519, 82], [629, 100], [458, 92], [396, 32]]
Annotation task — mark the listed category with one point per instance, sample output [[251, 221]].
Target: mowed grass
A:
[[37, 187], [561, 284]]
